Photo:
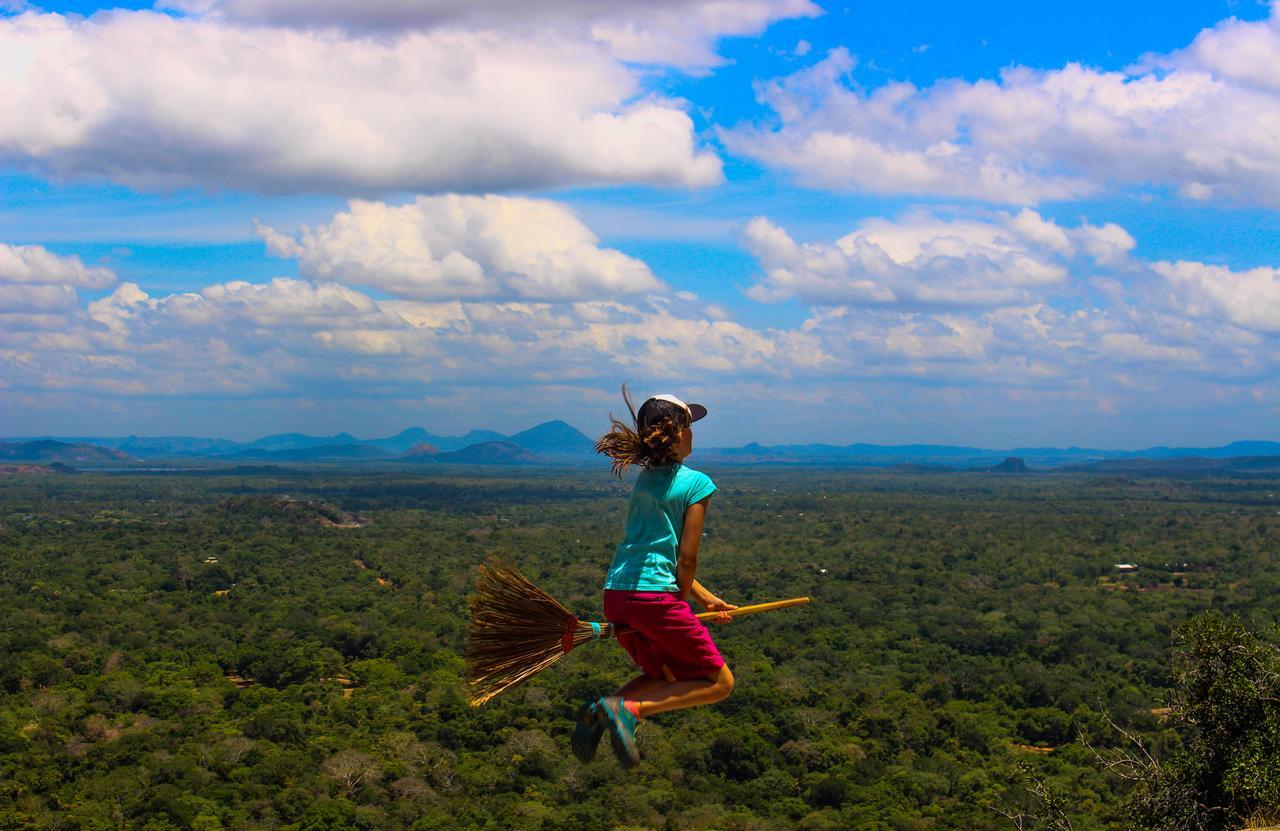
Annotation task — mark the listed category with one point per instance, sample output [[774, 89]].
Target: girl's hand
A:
[[715, 604]]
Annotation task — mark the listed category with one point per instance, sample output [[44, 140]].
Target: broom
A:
[[517, 630]]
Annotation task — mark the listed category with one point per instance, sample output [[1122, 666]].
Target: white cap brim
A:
[[695, 411]]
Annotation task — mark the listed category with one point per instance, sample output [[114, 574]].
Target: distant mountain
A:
[[299, 441], [402, 441], [1183, 465], [392, 445], [144, 447], [40, 470], [490, 453], [447, 443], [858, 455], [48, 450], [1237, 449], [556, 442], [421, 451], [321, 453], [1010, 465], [554, 438], [969, 458]]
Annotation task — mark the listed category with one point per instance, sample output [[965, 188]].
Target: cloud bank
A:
[[449, 247], [924, 261], [978, 306], [33, 280], [1199, 122], [676, 33], [221, 105]]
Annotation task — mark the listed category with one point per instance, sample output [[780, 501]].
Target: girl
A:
[[651, 578]]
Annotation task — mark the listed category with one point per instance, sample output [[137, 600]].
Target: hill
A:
[[1010, 465], [268, 510], [1183, 466], [554, 438], [299, 441], [319, 453], [420, 452], [489, 453], [48, 450], [557, 442], [40, 470], [408, 439]]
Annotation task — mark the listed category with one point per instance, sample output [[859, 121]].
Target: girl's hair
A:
[[651, 438]]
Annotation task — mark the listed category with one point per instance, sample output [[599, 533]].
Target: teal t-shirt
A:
[[646, 559]]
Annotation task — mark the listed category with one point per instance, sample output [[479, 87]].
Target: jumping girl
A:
[[652, 576]]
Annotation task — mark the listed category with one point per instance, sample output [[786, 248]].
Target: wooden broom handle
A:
[[759, 607], [612, 631]]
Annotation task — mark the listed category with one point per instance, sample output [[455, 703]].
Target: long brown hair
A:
[[650, 440]]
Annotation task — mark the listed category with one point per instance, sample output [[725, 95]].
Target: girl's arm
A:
[[690, 539], [712, 603], [687, 564]]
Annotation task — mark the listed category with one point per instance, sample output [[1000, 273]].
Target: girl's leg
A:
[[641, 687], [680, 694]]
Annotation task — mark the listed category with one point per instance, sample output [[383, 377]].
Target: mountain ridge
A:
[[558, 442]]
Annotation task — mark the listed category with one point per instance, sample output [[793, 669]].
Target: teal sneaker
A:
[[622, 730], [587, 732]]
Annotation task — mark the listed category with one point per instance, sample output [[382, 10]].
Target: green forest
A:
[[285, 649]]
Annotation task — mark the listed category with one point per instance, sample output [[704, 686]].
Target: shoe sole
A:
[[622, 740], [586, 734]]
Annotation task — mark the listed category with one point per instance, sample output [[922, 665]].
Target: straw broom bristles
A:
[[516, 631]]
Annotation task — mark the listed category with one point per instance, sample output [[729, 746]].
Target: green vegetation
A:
[[189, 652], [1227, 691]]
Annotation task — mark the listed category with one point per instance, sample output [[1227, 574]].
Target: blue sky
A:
[[999, 225]]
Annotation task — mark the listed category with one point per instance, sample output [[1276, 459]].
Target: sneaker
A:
[[587, 732], [622, 730]]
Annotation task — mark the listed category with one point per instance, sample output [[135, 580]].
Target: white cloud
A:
[[293, 337], [218, 104], [28, 298], [464, 247], [1034, 347], [679, 33], [38, 287], [36, 264], [1200, 121], [921, 260], [1014, 305], [1246, 53], [1248, 299], [658, 343]]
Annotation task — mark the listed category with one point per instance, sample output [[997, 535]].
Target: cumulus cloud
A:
[[680, 33], [464, 247], [921, 260], [1246, 53], [981, 307], [38, 286], [36, 264], [1034, 347], [1249, 299], [1198, 121], [294, 336], [27, 298], [218, 104]]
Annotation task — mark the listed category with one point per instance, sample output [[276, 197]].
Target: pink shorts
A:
[[664, 632]]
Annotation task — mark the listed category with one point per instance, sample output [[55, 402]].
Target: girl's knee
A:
[[724, 681]]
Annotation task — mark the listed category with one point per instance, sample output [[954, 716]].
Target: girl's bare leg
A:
[[680, 694], [641, 687]]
